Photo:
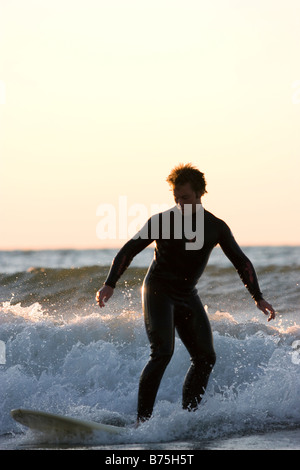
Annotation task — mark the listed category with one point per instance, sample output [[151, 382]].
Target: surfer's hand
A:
[[266, 308], [103, 295]]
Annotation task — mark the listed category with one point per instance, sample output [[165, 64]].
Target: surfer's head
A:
[[187, 173], [188, 185]]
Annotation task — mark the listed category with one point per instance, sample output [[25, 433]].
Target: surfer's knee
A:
[[208, 359], [162, 354], [162, 350]]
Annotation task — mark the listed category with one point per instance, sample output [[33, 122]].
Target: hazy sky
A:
[[101, 98]]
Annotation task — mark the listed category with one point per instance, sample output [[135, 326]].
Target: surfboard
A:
[[61, 425]]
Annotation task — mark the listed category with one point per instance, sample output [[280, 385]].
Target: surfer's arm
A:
[[245, 269], [124, 257], [240, 261], [119, 265], [123, 260]]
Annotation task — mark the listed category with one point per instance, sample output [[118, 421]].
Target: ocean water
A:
[[60, 353]]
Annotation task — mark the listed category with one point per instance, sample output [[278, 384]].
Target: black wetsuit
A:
[[170, 301]]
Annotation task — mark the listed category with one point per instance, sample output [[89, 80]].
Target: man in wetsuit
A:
[[170, 298]]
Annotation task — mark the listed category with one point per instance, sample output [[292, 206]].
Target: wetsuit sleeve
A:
[[126, 254], [240, 261]]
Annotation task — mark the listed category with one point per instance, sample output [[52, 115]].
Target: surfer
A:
[[170, 298]]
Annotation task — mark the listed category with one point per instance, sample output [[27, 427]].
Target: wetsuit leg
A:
[[195, 332], [159, 322]]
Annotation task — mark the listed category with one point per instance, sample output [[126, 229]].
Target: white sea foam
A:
[[89, 367], [62, 354]]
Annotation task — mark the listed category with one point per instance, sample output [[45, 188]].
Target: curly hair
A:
[[187, 173]]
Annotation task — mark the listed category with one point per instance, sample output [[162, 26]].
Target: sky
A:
[[100, 99]]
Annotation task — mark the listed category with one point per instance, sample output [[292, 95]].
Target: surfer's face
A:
[[184, 194]]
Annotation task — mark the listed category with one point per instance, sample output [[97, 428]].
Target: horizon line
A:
[[118, 247]]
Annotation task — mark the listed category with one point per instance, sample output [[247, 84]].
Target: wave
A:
[[65, 289], [65, 355], [73, 289], [89, 367]]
